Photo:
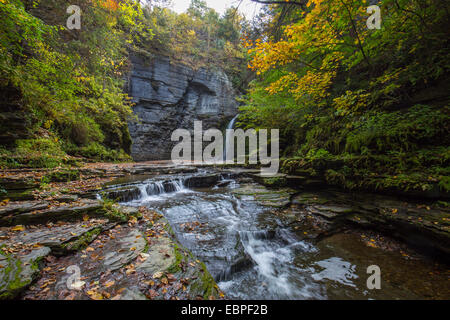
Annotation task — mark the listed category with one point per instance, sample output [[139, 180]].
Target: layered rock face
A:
[[172, 96]]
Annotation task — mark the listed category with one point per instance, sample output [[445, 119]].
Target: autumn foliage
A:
[[336, 88]]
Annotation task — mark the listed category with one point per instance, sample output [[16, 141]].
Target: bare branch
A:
[[301, 4]]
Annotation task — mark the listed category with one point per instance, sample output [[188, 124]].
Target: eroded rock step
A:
[[423, 227], [41, 212]]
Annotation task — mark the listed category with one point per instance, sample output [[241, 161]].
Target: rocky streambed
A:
[[155, 231]]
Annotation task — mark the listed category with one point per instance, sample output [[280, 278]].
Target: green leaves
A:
[[72, 80]]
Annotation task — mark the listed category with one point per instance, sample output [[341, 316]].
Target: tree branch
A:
[[301, 4]]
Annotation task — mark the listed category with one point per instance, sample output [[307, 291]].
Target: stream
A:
[[253, 253]]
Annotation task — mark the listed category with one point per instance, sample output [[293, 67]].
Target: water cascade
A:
[[228, 137]]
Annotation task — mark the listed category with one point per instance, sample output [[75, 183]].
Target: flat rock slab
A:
[[60, 238], [17, 272], [123, 194], [123, 250], [330, 211], [67, 212], [159, 257], [310, 198], [202, 181], [132, 294], [17, 183], [22, 207], [241, 172], [265, 196], [152, 169]]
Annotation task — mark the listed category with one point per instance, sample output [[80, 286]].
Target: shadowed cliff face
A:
[[171, 96]]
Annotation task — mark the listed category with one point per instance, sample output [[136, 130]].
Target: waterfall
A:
[[229, 136]]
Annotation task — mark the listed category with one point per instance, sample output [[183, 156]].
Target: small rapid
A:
[[247, 259], [228, 137], [252, 254]]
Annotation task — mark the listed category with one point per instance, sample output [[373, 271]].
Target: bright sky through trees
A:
[[247, 7]]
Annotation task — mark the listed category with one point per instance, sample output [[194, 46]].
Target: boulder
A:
[[17, 272], [203, 181]]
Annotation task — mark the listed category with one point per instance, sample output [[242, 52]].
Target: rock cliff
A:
[[170, 96]]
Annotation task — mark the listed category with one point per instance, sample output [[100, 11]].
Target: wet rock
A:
[[203, 181], [264, 196], [68, 212], [159, 258], [178, 170], [330, 211], [224, 183], [17, 184], [277, 181], [19, 271], [242, 172], [61, 239], [22, 207], [18, 195], [122, 251], [154, 170], [132, 294], [128, 211], [295, 182], [420, 226], [92, 172], [61, 176], [124, 194], [66, 198], [310, 198]]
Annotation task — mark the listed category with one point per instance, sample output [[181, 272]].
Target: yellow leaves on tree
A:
[[109, 4], [312, 84], [310, 51]]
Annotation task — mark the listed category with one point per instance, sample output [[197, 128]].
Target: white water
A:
[[228, 137], [230, 229], [159, 190]]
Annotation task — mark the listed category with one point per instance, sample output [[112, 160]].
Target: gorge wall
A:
[[170, 96]]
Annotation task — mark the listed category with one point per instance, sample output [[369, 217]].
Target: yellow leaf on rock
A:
[[18, 228]]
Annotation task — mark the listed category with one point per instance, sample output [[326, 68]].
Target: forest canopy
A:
[[359, 106]]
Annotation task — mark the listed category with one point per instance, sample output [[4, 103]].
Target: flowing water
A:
[[254, 255], [228, 137]]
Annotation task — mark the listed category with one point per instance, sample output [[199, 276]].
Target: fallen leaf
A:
[[152, 293], [144, 255], [18, 228], [77, 285]]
